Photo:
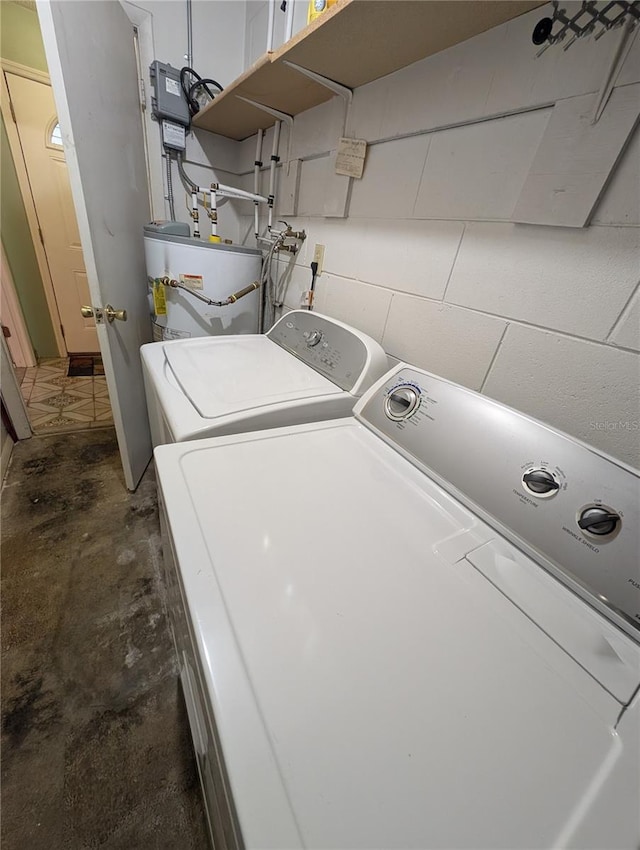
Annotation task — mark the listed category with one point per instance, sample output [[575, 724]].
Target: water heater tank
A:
[[211, 269]]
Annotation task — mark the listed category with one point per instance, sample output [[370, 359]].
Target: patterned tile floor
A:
[[56, 403]]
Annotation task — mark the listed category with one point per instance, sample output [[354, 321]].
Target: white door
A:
[[36, 121], [90, 53]]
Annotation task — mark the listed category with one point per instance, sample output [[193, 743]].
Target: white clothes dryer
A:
[[416, 627], [306, 368]]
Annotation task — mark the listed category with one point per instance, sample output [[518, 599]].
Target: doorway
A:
[[37, 145], [56, 398], [88, 55]]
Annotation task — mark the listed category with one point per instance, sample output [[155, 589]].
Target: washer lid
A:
[[224, 375]]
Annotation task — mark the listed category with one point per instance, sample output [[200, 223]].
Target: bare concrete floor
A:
[[95, 743]]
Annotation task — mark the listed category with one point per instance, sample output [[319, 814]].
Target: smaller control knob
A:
[[313, 338], [401, 402], [540, 482], [598, 520]]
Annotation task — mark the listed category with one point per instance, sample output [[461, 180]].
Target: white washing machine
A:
[[307, 367], [412, 628]]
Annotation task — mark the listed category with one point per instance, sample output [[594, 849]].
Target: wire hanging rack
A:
[[588, 20]]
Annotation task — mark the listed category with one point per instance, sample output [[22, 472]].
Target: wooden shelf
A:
[[353, 43]]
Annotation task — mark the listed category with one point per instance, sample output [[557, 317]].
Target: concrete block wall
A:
[[425, 257]]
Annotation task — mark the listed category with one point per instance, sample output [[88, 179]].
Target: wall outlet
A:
[[318, 257]]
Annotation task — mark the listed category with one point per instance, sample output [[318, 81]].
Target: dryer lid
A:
[[225, 375], [605, 652], [385, 690]]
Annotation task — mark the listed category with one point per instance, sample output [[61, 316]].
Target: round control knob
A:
[[598, 520], [540, 482], [401, 403], [313, 338]]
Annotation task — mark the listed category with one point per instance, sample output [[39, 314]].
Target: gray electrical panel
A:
[[168, 100]]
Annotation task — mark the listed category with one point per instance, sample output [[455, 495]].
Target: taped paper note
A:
[[350, 157]]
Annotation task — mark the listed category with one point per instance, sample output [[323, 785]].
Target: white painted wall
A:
[[546, 319], [218, 35], [257, 18], [218, 52]]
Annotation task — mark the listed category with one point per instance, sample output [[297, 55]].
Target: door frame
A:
[[11, 395], [11, 315], [18, 70], [142, 26]]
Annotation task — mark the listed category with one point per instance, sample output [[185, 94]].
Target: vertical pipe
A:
[[194, 215], [288, 32], [172, 211], [261, 296], [272, 14], [213, 215], [258, 162], [272, 171], [257, 165], [189, 56]]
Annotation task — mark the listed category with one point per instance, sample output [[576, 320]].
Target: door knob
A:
[[111, 314], [108, 313]]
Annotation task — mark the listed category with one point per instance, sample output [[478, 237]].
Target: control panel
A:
[[571, 508], [339, 353]]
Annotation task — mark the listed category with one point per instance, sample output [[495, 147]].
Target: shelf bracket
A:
[[345, 93], [337, 88], [281, 116]]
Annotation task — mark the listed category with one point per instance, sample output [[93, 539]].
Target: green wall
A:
[[20, 41], [18, 247]]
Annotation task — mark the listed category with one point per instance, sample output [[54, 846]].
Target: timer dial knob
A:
[[313, 338], [540, 482], [598, 520], [401, 402]]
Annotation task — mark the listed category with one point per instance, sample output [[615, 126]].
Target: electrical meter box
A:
[[168, 100]]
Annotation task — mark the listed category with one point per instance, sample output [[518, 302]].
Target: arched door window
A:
[[54, 136]]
